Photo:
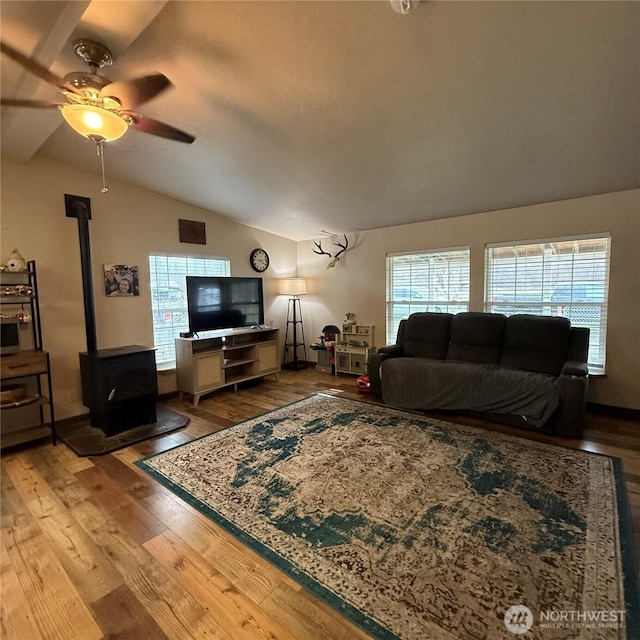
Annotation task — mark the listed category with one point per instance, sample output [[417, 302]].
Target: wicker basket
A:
[[12, 393]]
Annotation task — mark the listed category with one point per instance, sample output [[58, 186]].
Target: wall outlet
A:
[[73, 396]]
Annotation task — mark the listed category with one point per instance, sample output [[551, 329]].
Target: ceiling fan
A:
[[94, 106]]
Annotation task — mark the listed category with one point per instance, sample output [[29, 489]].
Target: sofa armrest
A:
[[575, 368], [391, 350], [376, 360], [573, 390]]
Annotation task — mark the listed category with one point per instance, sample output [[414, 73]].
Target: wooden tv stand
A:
[[224, 358]]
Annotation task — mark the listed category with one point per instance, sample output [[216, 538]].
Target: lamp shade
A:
[[293, 287], [93, 121]]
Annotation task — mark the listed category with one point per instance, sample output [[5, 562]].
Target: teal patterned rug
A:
[[420, 529]]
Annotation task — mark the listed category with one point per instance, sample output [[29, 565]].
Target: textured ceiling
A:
[[346, 115]]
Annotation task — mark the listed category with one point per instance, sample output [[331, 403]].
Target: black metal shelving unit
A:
[[19, 293]]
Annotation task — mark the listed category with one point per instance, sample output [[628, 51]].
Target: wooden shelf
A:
[[247, 345], [236, 379], [224, 358], [228, 363], [23, 402], [14, 298], [25, 435]]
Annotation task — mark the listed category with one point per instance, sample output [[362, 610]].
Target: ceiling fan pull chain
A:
[[100, 151]]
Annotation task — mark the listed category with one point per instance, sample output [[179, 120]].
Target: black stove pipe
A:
[[80, 208]]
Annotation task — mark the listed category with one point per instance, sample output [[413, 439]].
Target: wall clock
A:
[[259, 260]]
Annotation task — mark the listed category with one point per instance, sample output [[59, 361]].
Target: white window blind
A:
[[564, 277], [169, 296], [436, 280]]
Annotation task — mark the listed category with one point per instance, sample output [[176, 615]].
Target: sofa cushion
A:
[[477, 337], [425, 384], [536, 343], [426, 335]]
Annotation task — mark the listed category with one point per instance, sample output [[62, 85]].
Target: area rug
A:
[[86, 440], [419, 529]]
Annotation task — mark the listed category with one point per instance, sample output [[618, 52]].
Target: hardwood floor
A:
[[92, 548]]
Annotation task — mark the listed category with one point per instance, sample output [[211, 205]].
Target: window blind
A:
[[563, 277], [169, 296], [435, 280]]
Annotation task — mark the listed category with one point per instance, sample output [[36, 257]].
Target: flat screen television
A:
[[223, 302]]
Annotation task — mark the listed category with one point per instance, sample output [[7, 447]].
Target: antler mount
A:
[[335, 257]]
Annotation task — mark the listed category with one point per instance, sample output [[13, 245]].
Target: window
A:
[[169, 296], [566, 277], [427, 281]]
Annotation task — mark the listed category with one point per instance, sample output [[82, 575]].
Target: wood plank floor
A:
[[94, 548]]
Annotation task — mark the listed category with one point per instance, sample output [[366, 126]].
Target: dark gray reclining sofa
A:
[[524, 370]]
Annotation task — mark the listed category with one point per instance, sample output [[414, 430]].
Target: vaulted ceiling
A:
[[348, 115]]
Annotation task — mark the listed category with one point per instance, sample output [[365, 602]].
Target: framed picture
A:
[[192, 231], [121, 280]]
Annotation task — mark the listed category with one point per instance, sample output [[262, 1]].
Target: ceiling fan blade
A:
[[157, 128], [35, 67], [33, 104], [132, 93]]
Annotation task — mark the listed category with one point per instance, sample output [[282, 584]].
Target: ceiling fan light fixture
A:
[[97, 108], [94, 122]]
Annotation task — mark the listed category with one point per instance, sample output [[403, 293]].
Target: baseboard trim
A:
[[168, 396], [617, 412], [81, 417]]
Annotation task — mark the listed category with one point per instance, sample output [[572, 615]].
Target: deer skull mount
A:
[[335, 257]]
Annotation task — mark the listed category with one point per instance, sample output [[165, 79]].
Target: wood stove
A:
[[119, 385], [120, 388]]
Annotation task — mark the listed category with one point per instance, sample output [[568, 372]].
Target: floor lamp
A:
[[294, 287]]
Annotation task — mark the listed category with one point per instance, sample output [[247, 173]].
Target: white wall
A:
[[127, 225], [357, 283]]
